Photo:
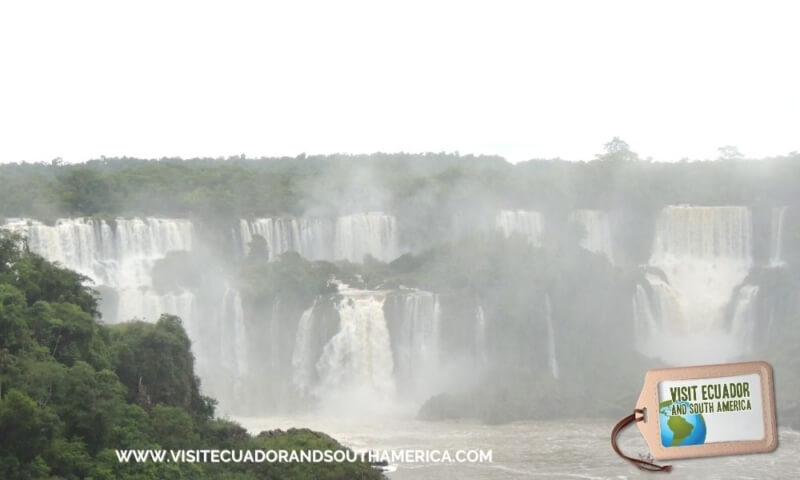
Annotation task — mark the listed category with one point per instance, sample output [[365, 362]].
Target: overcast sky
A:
[[675, 79]]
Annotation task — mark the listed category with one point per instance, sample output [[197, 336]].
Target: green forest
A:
[[139, 377], [247, 187], [424, 191], [72, 390]]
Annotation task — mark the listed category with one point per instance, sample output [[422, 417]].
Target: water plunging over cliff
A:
[[357, 361], [414, 320], [527, 223], [552, 355], [348, 237], [481, 347], [776, 245], [598, 231], [304, 355], [119, 255], [704, 254]]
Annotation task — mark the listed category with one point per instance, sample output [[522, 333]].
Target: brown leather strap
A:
[[636, 416]]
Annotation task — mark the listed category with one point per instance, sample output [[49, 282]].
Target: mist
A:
[[433, 286]]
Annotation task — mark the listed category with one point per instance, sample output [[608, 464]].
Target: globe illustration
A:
[[680, 430]]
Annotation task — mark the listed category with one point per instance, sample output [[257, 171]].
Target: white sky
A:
[[81, 79]]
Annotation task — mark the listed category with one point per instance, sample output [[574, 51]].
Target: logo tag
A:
[[708, 410]]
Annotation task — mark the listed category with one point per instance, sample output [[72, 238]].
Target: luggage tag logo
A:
[[704, 411]]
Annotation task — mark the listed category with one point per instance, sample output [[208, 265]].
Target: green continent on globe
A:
[[680, 429]]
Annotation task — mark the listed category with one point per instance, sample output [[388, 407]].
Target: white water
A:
[[416, 339], [598, 231], [303, 361], [220, 347], [481, 349], [744, 321], [705, 253], [233, 333], [348, 237], [552, 354], [644, 319], [357, 362], [527, 223], [776, 246], [119, 255]]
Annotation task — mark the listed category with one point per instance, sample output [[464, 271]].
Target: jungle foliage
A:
[[73, 390]]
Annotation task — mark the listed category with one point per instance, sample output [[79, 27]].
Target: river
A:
[[563, 449]]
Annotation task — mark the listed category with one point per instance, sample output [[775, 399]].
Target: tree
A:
[[26, 431], [85, 191], [729, 152], [618, 149], [616, 145]]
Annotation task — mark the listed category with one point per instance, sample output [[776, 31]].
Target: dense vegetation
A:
[[426, 192], [436, 197], [245, 187], [72, 390]]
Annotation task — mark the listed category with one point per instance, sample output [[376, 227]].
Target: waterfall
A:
[[524, 222], [704, 254], [437, 327], [303, 355], [770, 322], [776, 245], [363, 234], [220, 346], [744, 322], [415, 332], [119, 255], [644, 325], [358, 359], [146, 304], [310, 237], [598, 231], [348, 237], [275, 335], [481, 351], [552, 357], [233, 333]]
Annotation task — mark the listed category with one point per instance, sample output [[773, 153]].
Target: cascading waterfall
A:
[[310, 237], [275, 335], [119, 255], [220, 345], [363, 234], [234, 333], [481, 351], [743, 323], [776, 246], [598, 231], [552, 356], [388, 345], [644, 318], [524, 222], [704, 254], [303, 355], [357, 361], [437, 326], [770, 322], [415, 334], [348, 237]]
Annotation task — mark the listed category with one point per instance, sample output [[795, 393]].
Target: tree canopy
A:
[[72, 390]]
